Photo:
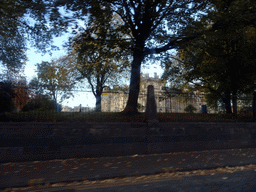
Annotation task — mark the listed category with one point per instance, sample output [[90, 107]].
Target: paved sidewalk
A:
[[18, 174]]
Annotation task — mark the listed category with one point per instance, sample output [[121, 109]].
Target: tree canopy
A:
[[222, 61], [21, 92], [57, 78], [99, 58], [149, 24], [153, 26], [24, 22], [7, 95]]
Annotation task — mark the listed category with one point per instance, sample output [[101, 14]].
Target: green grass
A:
[[118, 117]]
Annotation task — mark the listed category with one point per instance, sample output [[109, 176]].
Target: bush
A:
[[190, 109], [43, 103], [31, 106], [245, 110]]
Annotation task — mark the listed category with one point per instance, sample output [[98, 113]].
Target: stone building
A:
[[76, 109], [114, 100]]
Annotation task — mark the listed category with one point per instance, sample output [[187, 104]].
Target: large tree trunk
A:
[[227, 103], [254, 105], [98, 102], [131, 107], [55, 98]]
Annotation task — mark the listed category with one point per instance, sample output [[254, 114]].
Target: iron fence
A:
[[176, 103], [116, 100]]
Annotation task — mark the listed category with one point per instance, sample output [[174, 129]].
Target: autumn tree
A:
[[99, 59], [38, 101], [21, 92], [56, 77], [222, 61], [17, 82]]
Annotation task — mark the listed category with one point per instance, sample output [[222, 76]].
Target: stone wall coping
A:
[[115, 123], [124, 125], [200, 123], [4, 123]]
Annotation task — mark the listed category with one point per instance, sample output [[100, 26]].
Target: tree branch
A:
[[171, 45], [90, 82]]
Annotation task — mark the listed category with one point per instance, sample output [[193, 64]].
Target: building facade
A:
[[76, 109], [114, 100]]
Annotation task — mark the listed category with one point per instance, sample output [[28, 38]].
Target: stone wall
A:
[[41, 141]]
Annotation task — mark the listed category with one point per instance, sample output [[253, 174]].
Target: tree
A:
[[6, 96], [35, 88], [212, 60], [14, 81], [12, 42], [146, 21], [37, 100], [149, 23], [173, 74], [57, 78], [21, 94], [23, 21], [40, 103], [100, 60]]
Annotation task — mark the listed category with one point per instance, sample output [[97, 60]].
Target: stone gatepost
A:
[[151, 116]]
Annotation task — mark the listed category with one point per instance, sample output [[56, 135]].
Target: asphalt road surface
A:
[[242, 178], [237, 181], [217, 170]]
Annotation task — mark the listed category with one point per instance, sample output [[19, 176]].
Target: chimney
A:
[[155, 75], [147, 75]]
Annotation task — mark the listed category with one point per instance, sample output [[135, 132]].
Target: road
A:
[[228, 182], [228, 179]]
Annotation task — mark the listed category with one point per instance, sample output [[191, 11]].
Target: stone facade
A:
[[76, 109], [114, 100]]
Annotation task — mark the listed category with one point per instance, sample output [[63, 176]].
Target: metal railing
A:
[[179, 103]]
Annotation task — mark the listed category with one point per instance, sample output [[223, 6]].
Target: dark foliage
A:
[[41, 103], [6, 97]]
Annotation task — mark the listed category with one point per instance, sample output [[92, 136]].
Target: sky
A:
[[86, 99]]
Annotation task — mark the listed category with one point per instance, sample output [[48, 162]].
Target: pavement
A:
[[22, 174]]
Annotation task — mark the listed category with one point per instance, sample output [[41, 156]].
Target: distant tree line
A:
[[215, 41], [15, 98]]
